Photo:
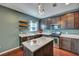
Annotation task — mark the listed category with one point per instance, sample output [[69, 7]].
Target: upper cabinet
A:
[[67, 21], [76, 21], [63, 21], [70, 21], [56, 21]]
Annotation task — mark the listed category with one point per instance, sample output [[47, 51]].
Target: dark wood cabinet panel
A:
[[49, 21], [53, 20], [61, 42], [58, 20], [23, 39], [75, 46], [65, 43], [67, 21], [44, 21], [69, 44], [76, 20], [46, 50], [70, 21], [63, 22]]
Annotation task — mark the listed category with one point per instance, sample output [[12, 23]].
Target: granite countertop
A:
[[40, 42], [31, 34], [70, 36], [25, 35]]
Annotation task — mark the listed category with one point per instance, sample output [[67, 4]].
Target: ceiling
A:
[[32, 8]]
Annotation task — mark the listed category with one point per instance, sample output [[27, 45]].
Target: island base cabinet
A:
[[75, 46], [46, 50]]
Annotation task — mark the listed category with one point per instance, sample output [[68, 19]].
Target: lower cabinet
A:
[[69, 44], [75, 46], [65, 43], [23, 39], [46, 50]]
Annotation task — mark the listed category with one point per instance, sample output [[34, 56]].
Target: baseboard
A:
[[1, 53]]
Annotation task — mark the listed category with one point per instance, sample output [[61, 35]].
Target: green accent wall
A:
[[73, 31], [9, 30]]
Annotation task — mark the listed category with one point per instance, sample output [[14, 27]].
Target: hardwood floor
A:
[[61, 52], [57, 52]]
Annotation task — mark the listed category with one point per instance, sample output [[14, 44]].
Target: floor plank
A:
[[57, 52], [61, 52]]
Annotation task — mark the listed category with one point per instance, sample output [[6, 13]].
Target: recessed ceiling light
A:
[[67, 3]]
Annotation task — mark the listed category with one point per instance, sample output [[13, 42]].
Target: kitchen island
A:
[[42, 46], [30, 36]]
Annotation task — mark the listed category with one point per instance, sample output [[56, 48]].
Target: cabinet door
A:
[[65, 43], [75, 46], [61, 42], [44, 21], [46, 50], [76, 20], [63, 21], [78, 46], [67, 21], [58, 20], [70, 21], [53, 20]]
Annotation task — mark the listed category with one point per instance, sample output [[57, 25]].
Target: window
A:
[[33, 26]]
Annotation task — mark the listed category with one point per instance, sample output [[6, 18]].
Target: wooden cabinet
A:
[[58, 20], [46, 50], [65, 43], [67, 21], [55, 20], [23, 39], [49, 21], [76, 22], [70, 21], [63, 22], [69, 44], [75, 46]]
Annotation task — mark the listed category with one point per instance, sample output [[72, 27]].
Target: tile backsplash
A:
[[73, 31]]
